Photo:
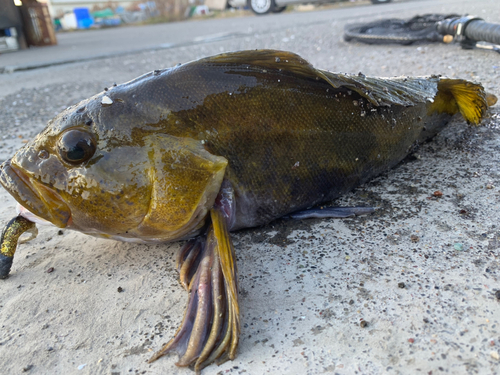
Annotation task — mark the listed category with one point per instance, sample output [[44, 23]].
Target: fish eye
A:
[[76, 146]]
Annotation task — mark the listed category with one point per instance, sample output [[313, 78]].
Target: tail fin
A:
[[491, 99], [458, 95]]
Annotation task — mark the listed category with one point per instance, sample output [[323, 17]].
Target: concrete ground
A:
[[422, 271]]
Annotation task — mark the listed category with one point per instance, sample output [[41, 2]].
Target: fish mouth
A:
[[35, 197]]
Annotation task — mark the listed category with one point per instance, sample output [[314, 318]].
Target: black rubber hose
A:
[[481, 31]]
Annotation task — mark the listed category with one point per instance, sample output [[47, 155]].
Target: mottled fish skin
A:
[[289, 136]]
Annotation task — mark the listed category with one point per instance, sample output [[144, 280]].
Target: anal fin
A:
[[332, 212]]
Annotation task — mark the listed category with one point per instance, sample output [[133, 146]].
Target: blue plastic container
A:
[[83, 18]]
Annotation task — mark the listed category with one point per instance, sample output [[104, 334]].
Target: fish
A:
[[202, 149]]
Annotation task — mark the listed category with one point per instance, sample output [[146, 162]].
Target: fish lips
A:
[[34, 196]]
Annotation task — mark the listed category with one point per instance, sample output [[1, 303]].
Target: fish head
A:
[[114, 176]]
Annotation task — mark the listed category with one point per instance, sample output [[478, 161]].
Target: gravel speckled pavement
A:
[[422, 271]]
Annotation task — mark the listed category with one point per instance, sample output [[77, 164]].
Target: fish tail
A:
[[491, 99], [458, 95]]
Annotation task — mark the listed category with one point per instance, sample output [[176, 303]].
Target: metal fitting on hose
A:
[[456, 27]]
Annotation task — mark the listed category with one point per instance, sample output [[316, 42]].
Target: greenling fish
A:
[[215, 145]]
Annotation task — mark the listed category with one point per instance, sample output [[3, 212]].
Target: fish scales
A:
[[264, 120]]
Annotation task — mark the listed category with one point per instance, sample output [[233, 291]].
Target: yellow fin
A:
[[458, 95], [227, 260], [226, 254]]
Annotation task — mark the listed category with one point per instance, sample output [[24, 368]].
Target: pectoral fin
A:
[[210, 329]]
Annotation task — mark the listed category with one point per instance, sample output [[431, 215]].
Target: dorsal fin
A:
[[446, 95], [378, 91], [266, 58]]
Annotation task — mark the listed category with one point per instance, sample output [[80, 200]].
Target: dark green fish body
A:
[[293, 136], [223, 143]]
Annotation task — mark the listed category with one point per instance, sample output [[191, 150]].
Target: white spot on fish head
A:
[[106, 100]]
